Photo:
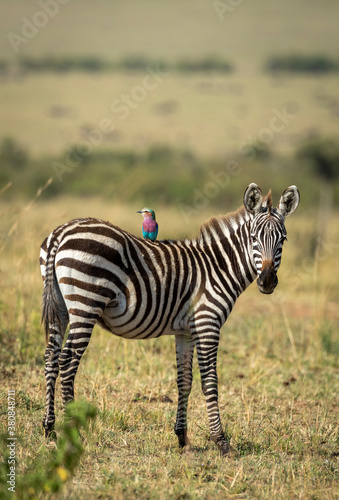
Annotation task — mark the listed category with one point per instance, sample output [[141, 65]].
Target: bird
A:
[[149, 225]]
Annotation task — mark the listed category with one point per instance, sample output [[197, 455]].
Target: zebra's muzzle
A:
[[267, 280]]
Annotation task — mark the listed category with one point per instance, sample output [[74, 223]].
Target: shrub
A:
[[323, 156], [3, 67], [206, 64], [140, 63], [12, 154], [298, 63], [47, 472], [129, 63], [62, 64]]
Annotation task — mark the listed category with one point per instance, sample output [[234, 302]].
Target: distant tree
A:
[[322, 155], [302, 63], [13, 154]]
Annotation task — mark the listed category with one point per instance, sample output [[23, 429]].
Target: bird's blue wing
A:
[[150, 235]]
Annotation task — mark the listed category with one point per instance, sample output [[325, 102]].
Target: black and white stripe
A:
[[97, 273]]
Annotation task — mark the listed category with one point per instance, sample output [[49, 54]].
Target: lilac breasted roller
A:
[[149, 225]]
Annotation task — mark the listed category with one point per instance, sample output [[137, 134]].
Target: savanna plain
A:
[[278, 354], [277, 370]]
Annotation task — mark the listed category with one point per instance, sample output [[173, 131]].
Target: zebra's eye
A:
[[254, 238]]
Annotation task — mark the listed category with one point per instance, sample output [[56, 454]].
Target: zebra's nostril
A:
[[267, 281]]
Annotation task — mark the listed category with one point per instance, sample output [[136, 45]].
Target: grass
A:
[[172, 177], [210, 115], [277, 368], [277, 363]]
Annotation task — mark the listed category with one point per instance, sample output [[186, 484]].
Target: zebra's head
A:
[[267, 231]]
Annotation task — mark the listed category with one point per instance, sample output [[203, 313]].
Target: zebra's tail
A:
[[50, 301]]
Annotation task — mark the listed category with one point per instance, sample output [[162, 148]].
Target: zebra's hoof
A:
[[226, 450], [183, 439], [48, 432], [48, 428]]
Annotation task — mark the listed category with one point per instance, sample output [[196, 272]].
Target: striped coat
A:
[[97, 273]]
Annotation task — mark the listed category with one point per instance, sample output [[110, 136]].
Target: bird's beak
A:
[[139, 211]]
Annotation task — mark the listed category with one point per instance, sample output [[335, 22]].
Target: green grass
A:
[[277, 368]]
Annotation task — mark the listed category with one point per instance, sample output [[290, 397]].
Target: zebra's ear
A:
[[289, 201], [253, 198]]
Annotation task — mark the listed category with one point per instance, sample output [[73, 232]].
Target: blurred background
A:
[[108, 106], [169, 103]]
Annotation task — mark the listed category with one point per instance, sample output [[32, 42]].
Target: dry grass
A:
[[277, 364], [277, 373]]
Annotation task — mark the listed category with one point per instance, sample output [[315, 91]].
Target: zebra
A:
[[97, 273]]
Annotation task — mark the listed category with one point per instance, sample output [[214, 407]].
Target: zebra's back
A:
[[135, 288]]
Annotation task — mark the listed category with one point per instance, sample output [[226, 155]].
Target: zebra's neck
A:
[[227, 240]]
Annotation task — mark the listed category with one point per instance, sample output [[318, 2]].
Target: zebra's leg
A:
[[207, 349], [184, 353], [79, 336], [53, 349]]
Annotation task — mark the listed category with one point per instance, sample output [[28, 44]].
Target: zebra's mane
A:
[[267, 201], [224, 224]]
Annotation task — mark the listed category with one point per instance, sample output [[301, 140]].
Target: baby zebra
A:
[[97, 273]]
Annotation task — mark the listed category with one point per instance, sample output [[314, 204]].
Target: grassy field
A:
[[210, 115], [278, 355], [277, 365]]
